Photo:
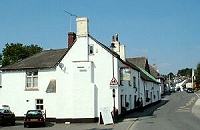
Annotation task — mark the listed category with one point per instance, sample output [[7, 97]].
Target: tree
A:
[[16, 52], [197, 74], [185, 72], [171, 75], [0, 59]]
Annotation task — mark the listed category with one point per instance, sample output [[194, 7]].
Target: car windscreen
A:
[[34, 113]]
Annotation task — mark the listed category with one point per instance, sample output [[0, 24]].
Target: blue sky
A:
[[165, 31]]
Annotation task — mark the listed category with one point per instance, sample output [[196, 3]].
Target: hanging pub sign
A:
[[125, 73]]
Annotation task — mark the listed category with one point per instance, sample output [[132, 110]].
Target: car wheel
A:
[[13, 123], [25, 125], [44, 125]]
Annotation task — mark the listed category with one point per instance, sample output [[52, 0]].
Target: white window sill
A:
[[31, 89]]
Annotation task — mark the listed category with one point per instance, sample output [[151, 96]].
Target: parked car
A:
[[185, 89], [7, 117], [190, 90], [34, 118], [172, 89]]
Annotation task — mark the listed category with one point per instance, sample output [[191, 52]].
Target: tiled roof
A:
[[153, 72], [139, 61], [147, 76], [142, 63], [44, 59]]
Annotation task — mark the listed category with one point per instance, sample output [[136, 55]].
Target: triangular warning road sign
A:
[[113, 81]]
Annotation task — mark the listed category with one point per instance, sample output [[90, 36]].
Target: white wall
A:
[[103, 75], [13, 92], [127, 90], [77, 92], [153, 92]]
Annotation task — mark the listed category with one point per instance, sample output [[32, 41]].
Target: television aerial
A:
[[70, 17]]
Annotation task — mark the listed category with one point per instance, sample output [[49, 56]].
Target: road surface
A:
[[174, 114]]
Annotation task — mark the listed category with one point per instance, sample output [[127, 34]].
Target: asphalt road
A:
[[173, 113]]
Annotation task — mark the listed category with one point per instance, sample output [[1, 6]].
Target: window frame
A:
[[31, 80], [39, 105], [134, 82], [147, 93], [91, 49]]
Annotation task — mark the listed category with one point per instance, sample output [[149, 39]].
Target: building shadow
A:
[[144, 112], [50, 124]]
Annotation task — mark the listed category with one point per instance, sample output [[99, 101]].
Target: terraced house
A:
[[75, 83]]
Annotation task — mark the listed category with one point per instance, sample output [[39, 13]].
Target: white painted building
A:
[[74, 84]]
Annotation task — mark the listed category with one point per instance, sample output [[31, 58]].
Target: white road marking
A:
[[197, 95]]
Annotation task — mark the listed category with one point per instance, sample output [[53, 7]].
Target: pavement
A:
[[196, 107], [124, 124]]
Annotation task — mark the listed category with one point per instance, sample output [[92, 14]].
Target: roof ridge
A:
[[50, 57], [136, 57], [54, 49]]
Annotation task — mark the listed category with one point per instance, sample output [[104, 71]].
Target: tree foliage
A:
[[0, 59], [171, 75], [185, 72], [16, 52], [197, 74]]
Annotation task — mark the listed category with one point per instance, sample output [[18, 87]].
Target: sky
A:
[[167, 32]]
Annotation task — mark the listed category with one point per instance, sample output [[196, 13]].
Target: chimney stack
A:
[[82, 26], [118, 47], [71, 39]]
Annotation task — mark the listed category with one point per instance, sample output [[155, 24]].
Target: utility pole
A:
[[192, 78]]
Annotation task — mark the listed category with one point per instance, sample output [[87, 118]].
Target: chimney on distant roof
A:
[[82, 26], [71, 39]]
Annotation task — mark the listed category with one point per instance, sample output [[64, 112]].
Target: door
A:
[[135, 99], [121, 104]]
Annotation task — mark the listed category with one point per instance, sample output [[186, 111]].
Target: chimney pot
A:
[[117, 39], [113, 38]]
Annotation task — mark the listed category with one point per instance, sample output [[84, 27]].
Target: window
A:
[[129, 83], [125, 73], [31, 79], [134, 82], [147, 94], [91, 49], [130, 101], [39, 104]]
